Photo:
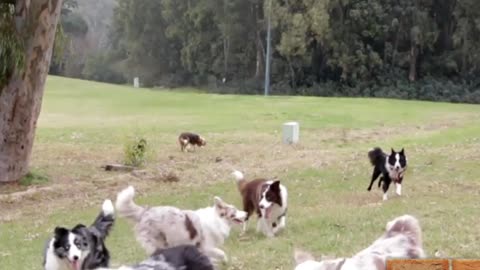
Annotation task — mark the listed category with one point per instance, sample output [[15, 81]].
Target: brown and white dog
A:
[[402, 239], [187, 139], [268, 198], [166, 226]]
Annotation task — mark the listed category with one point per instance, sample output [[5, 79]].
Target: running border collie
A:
[[188, 138], [268, 198], [184, 257], [167, 226], [81, 248], [402, 240], [391, 168]]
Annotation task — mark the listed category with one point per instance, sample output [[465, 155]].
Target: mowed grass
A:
[[84, 125]]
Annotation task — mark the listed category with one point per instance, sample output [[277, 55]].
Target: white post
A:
[[291, 132], [136, 82]]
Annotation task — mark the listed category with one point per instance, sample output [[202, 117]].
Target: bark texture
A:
[[21, 97]]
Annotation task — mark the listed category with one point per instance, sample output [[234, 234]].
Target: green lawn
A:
[[84, 125]]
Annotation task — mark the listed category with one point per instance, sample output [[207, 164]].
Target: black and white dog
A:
[[391, 168], [81, 247], [183, 257]]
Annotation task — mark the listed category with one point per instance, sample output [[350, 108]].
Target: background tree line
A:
[[413, 49]]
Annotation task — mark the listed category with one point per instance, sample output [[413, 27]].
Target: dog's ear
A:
[[402, 152], [218, 202], [302, 256], [60, 231], [393, 151], [275, 186]]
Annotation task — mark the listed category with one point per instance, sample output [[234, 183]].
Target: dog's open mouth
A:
[[238, 221], [75, 265]]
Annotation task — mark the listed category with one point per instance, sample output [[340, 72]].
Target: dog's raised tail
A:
[[409, 226], [125, 205], [374, 155], [104, 222], [240, 179]]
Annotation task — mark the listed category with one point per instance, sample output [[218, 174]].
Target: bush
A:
[[135, 151], [390, 85]]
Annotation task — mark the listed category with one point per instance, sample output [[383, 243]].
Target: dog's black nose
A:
[[75, 258], [261, 206]]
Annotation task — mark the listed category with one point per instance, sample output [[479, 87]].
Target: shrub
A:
[[135, 152]]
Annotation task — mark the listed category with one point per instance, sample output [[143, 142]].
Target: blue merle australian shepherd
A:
[[81, 247], [390, 167]]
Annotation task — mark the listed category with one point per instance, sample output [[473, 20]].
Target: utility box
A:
[[136, 82], [291, 132]]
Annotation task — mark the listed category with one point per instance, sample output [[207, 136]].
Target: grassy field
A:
[[84, 125]]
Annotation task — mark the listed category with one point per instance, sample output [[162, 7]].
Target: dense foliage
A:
[[11, 44], [415, 49]]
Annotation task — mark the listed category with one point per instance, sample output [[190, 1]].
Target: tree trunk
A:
[[226, 42], [21, 97], [412, 76], [259, 70], [443, 11]]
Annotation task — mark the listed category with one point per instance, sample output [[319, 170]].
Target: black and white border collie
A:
[[268, 198], [81, 247], [391, 168]]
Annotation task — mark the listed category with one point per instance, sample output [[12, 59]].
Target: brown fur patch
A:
[[190, 228], [161, 237], [251, 194]]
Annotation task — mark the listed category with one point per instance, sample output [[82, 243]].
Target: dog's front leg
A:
[[244, 229], [267, 228], [279, 226], [385, 186]]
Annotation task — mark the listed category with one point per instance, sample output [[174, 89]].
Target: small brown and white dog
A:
[[402, 239], [187, 139], [268, 198], [166, 226]]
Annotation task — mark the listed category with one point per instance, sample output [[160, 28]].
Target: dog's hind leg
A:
[[380, 181], [375, 174]]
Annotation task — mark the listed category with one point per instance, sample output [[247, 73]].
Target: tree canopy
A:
[[423, 49]]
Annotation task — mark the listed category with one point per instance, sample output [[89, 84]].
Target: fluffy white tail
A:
[[407, 225], [238, 175], [107, 208], [125, 205], [240, 179]]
